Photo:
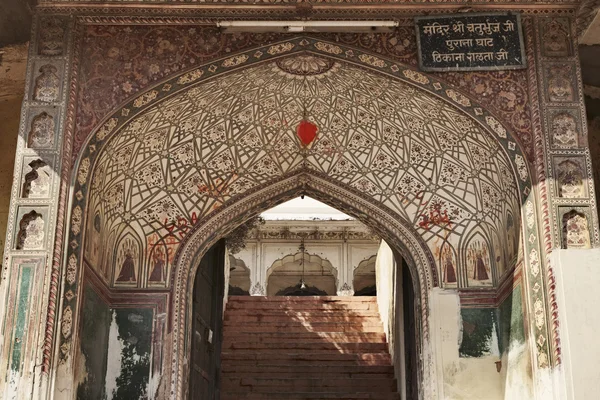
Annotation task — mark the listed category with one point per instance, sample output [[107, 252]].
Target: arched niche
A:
[[239, 277], [364, 276], [287, 271]]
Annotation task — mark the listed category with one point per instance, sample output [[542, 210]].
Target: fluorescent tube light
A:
[[307, 26]]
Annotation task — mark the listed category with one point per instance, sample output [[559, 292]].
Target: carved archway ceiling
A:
[[406, 149], [118, 61]]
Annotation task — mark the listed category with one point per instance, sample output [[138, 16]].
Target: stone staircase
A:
[[305, 348]]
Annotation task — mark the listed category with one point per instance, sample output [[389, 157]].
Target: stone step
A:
[[277, 395], [308, 370], [302, 299], [305, 348], [313, 317], [296, 328], [306, 337], [298, 311], [312, 347], [286, 358], [316, 374], [308, 385]]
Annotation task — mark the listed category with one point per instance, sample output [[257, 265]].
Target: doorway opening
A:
[[305, 272]]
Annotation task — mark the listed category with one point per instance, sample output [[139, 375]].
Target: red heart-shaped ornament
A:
[[307, 132]]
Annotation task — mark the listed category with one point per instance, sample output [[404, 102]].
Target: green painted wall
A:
[[511, 324], [135, 342], [486, 331], [96, 318]]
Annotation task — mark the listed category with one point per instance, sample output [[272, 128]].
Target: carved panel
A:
[[570, 177], [575, 227], [555, 37], [42, 128], [561, 84], [51, 37], [31, 230], [37, 178], [46, 84], [564, 125]]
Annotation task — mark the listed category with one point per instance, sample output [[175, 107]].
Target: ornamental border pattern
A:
[[117, 13], [60, 59], [534, 279]]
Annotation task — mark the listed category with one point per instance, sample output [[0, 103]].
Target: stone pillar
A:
[[577, 274], [26, 308], [566, 211]]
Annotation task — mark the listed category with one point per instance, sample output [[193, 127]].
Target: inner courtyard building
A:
[[294, 199]]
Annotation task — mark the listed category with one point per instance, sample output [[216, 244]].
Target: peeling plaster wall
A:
[[469, 343], [516, 371], [115, 357], [94, 344], [577, 276]]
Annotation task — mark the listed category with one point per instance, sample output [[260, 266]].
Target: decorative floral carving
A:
[[534, 262], [84, 169], [37, 180], [496, 126], [191, 76], [329, 48], [76, 218], [521, 167], [570, 178], [539, 313], [529, 214], [107, 128], [71, 269], [560, 83], [305, 65], [235, 61], [575, 229], [31, 232], [372, 60], [555, 37], [67, 322], [458, 98], [281, 48], [41, 134], [47, 84], [415, 76], [564, 130], [145, 98], [345, 290], [257, 290], [51, 37]]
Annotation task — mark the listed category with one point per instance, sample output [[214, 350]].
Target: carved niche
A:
[[477, 256], [575, 230], [31, 232], [51, 36], [127, 261], [37, 180], [41, 134], [47, 84], [564, 130], [560, 86], [570, 178], [555, 38]]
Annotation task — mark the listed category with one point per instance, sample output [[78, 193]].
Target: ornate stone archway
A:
[[469, 127]]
